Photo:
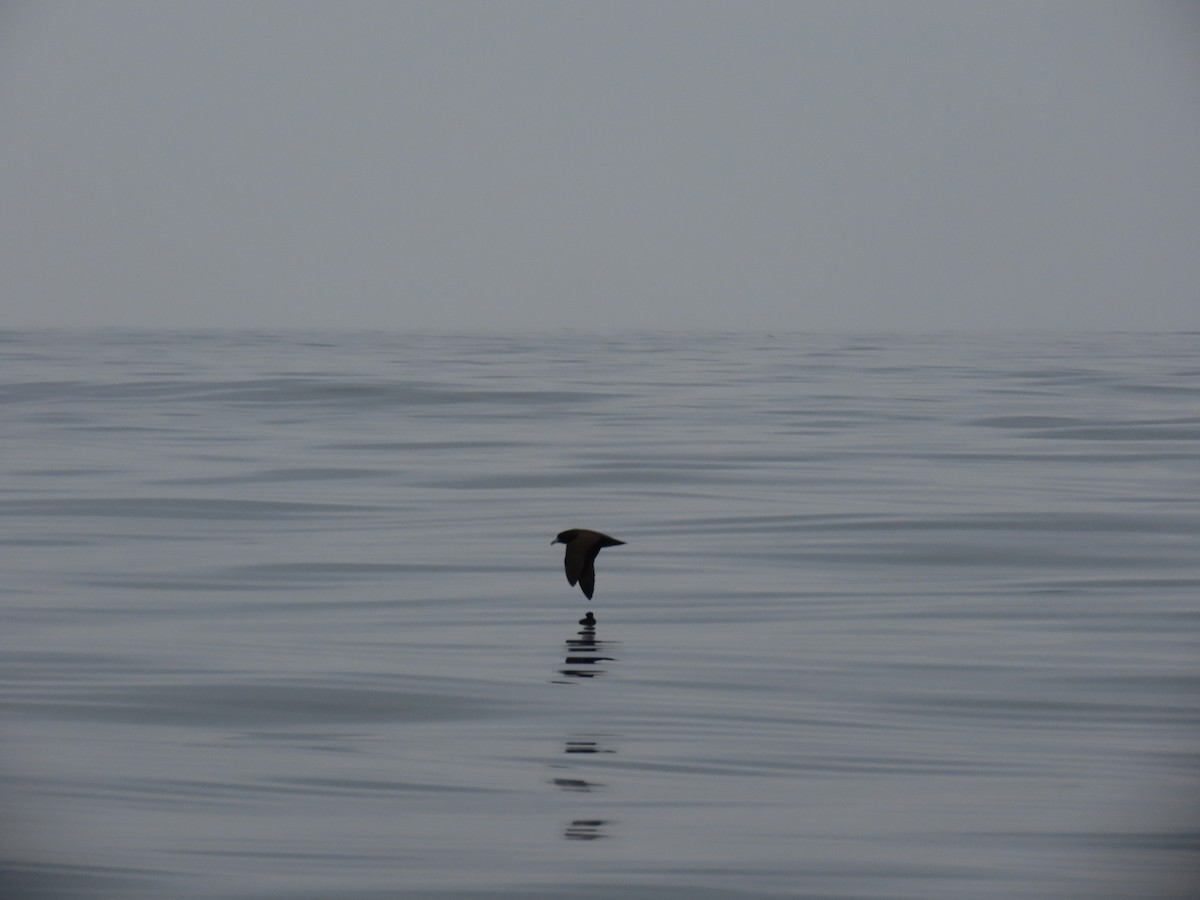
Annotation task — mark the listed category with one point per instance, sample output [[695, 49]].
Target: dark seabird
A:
[[582, 548]]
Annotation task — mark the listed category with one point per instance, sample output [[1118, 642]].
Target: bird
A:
[[583, 546]]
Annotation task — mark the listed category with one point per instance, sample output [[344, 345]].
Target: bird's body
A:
[[582, 548]]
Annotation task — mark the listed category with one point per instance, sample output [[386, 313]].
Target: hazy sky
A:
[[846, 165]]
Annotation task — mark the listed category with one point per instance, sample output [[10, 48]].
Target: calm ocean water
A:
[[898, 617]]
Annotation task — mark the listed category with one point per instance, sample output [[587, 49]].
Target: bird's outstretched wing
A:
[[587, 578], [579, 562], [575, 561]]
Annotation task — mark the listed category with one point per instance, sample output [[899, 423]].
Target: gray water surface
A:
[[898, 617]]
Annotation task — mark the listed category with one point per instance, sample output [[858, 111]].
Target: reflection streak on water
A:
[[584, 654]]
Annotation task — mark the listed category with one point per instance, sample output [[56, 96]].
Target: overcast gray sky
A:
[[522, 165]]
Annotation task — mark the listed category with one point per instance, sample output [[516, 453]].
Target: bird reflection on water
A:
[[575, 783], [585, 656], [585, 653], [585, 830]]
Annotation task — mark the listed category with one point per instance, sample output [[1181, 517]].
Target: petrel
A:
[[582, 547]]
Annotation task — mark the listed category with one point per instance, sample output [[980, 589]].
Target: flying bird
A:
[[582, 548]]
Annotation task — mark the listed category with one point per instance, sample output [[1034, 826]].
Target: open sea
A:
[[897, 617]]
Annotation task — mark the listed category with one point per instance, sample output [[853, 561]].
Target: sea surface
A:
[[897, 617]]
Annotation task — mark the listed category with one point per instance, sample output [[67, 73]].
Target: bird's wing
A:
[[575, 561], [587, 579]]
